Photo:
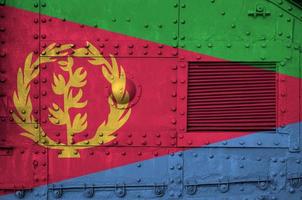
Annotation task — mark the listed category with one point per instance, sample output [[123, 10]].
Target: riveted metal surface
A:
[[166, 26], [130, 183], [8, 166], [230, 174], [242, 36], [12, 49], [158, 125], [150, 153]]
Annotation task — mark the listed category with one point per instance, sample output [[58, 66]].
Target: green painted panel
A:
[[238, 30], [154, 20]]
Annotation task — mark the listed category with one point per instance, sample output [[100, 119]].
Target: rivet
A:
[[296, 147], [173, 135], [174, 67], [291, 190], [173, 80]]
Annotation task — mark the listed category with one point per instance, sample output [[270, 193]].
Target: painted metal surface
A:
[[152, 154]]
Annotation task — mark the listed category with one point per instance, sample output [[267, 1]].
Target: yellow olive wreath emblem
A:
[[113, 73]]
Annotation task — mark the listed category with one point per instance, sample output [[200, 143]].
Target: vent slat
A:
[[231, 96], [226, 115], [231, 99], [214, 96], [241, 92], [269, 85], [227, 79]]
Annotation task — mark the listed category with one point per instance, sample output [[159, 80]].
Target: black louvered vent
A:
[[231, 96]]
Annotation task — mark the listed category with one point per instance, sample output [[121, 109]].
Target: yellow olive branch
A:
[[60, 87], [118, 115], [22, 99], [114, 74]]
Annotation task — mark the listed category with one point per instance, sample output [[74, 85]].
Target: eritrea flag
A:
[[133, 99]]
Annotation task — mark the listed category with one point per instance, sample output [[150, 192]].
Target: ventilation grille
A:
[[231, 97]]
